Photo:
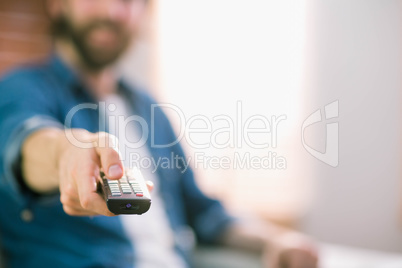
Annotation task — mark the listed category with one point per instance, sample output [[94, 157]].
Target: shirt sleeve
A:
[[207, 216], [25, 107]]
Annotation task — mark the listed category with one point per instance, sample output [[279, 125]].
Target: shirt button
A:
[[26, 215]]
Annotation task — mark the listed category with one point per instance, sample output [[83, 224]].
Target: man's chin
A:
[[100, 59], [103, 55]]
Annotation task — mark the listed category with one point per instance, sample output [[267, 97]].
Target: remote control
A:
[[128, 195]]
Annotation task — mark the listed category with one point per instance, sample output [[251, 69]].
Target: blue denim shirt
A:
[[35, 231]]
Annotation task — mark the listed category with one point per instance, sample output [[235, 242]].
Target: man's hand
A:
[[79, 173], [290, 250], [52, 162]]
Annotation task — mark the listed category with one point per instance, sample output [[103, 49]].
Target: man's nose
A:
[[114, 10]]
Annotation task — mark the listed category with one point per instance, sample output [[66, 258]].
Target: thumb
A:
[[107, 150]]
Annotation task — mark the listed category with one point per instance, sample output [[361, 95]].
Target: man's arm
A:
[[50, 162], [39, 160], [280, 247]]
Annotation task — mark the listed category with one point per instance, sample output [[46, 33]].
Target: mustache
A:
[[106, 24], [63, 27]]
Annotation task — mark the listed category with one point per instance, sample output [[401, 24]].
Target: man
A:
[[52, 213]]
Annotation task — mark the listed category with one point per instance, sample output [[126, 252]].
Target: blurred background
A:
[[274, 58]]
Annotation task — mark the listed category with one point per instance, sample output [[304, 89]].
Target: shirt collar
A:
[[63, 72], [69, 77]]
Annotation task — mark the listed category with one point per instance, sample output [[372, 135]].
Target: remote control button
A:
[[124, 185], [132, 180], [116, 194], [139, 194], [113, 182], [127, 191]]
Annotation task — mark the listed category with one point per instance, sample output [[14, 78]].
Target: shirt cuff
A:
[[12, 156]]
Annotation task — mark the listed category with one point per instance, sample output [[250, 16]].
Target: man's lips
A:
[[104, 37]]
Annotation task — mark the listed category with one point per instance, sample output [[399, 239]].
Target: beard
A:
[[94, 56]]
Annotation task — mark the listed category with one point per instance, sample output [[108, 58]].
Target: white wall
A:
[[355, 57]]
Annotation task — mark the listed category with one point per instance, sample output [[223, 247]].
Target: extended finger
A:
[[107, 150]]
